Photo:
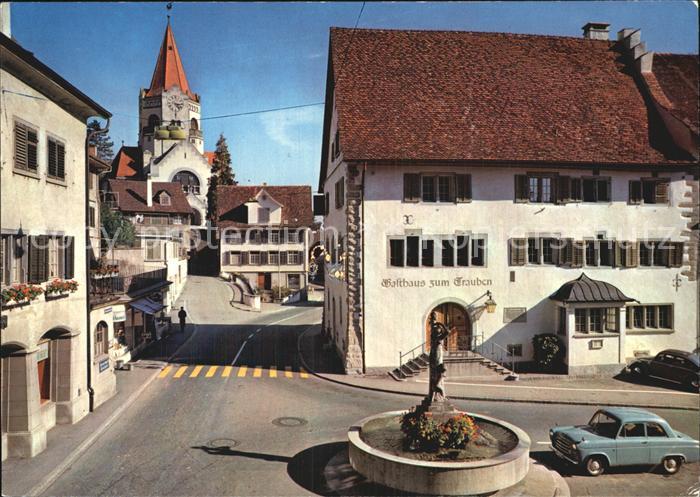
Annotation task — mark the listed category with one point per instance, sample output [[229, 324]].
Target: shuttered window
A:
[[56, 160], [340, 193], [635, 192], [649, 191], [412, 251], [522, 189], [69, 257], [283, 258], [428, 253], [411, 187], [38, 259], [462, 250], [428, 188], [563, 189], [244, 258], [676, 255], [463, 188], [478, 251], [396, 253], [26, 147], [518, 251]]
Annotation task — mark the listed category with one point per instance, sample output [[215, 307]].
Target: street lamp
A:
[[490, 303]]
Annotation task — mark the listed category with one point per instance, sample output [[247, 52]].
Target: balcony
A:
[[105, 288]]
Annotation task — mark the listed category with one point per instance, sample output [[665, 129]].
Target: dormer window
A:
[[164, 198]]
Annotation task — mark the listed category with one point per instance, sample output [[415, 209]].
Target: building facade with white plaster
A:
[[565, 183]]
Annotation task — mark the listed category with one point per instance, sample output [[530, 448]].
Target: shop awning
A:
[[584, 290], [147, 306]]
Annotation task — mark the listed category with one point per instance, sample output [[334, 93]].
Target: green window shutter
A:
[[38, 259], [635, 192], [522, 192], [518, 251], [69, 253]]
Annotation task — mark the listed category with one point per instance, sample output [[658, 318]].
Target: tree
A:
[[102, 141], [116, 229], [221, 175]]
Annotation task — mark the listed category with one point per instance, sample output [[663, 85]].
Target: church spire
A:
[[169, 71]]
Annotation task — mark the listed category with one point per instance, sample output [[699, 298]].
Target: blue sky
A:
[[243, 57]]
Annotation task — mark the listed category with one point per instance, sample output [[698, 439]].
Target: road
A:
[[261, 426]]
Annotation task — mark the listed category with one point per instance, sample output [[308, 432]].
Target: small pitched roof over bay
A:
[[586, 290], [404, 95]]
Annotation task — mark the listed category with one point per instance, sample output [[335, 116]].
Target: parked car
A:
[[623, 436], [670, 365]]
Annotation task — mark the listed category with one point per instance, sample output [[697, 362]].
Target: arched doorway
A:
[[455, 317]]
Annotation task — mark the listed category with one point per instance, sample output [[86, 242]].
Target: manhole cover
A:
[[288, 421], [221, 443]]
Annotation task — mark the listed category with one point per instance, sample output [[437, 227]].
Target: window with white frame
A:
[[650, 317], [437, 250], [254, 258], [596, 320]]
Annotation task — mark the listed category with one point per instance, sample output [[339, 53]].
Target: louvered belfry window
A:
[[26, 147], [56, 159]]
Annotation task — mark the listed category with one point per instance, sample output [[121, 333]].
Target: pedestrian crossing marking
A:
[[213, 371]]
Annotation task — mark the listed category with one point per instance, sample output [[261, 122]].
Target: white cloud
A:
[[284, 127]]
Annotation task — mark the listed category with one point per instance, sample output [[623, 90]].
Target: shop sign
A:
[[118, 313], [43, 352], [108, 310], [457, 282], [104, 364]]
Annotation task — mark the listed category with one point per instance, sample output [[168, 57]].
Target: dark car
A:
[[670, 365]]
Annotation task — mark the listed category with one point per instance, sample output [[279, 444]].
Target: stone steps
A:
[[462, 363]]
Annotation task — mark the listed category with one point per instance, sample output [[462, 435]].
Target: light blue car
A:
[[624, 436]]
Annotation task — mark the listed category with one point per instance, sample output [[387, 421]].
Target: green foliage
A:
[[102, 141], [281, 292], [221, 174], [117, 229], [548, 350], [423, 433]]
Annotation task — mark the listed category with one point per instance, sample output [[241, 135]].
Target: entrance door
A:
[[455, 317], [261, 281], [268, 281]]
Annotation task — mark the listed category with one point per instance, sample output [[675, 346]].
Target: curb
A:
[[75, 455], [474, 397]]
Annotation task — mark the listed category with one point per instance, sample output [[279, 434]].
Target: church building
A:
[[171, 143]]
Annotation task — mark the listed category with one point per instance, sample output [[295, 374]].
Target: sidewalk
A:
[[66, 442], [576, 391]]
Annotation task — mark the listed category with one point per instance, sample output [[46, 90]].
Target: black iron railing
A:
[[107, 286]]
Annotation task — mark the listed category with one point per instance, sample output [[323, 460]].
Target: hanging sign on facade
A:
[[118, 313], [104, 364]]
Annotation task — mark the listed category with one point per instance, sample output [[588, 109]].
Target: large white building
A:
[[171, 143], [559, 174], [47, 374]]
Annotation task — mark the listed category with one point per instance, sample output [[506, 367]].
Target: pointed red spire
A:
[[169, 71]]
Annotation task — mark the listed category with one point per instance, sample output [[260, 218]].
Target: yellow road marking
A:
[[242, 371], [180, 371], [288, 372], [258, 372], [196, 371], [273, 371], [303, 373], [165, 372], [226, 372], [211, 371]]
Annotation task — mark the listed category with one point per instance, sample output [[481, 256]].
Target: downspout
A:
[[362, 261], [90, 135]]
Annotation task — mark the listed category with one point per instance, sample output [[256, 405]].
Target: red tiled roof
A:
[[169, 71], [295, 200], [463, 96], [677, 77], [131, 197], [210, 157], [127, 163]]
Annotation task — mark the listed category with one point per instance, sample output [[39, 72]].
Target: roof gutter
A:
[[90, 135]]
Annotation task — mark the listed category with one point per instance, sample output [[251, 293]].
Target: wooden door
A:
[[261, 281], [455, 318], [44, 368]]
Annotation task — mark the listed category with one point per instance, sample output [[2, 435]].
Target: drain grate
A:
[[222, 443], [288, 422]]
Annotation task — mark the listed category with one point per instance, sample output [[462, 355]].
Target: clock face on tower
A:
[[175, 103]]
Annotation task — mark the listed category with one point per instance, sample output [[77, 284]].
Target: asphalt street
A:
[[250, 421]]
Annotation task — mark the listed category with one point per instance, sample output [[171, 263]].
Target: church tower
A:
[[169, 111]]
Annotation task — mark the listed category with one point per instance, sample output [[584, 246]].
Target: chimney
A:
[[149, 191], [631, 42], [596, 31], [5, 25]]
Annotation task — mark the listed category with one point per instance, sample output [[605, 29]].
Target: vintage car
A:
[[623, 436], [671, 365]]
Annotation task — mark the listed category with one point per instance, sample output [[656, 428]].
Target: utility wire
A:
[[261, 111], [347, 49]]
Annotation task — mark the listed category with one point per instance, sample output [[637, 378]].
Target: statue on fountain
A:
[[436, 399]]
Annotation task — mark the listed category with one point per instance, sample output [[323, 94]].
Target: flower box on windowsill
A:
[[58, 288], [19, 295], [56, 296]]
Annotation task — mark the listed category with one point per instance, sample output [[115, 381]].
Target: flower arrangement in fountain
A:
[[424, 433], [61, 286], [20, 293]]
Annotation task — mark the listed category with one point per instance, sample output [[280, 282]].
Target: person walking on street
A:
[[182, 315]]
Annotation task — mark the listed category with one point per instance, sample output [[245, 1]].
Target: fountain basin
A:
[[472, 477]]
